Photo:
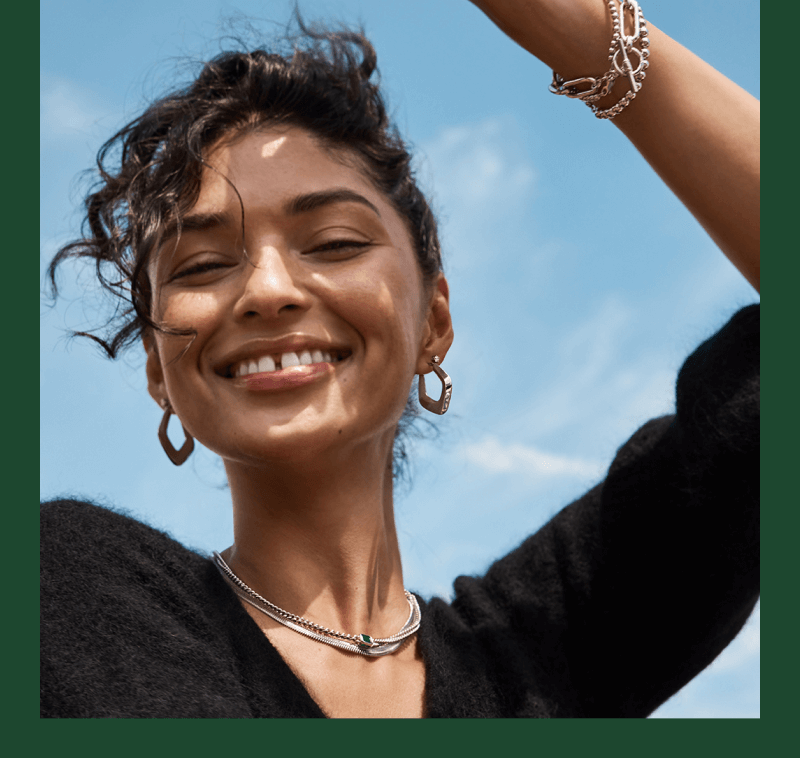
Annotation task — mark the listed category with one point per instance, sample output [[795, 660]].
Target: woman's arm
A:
[[697, 129], [632, 590]]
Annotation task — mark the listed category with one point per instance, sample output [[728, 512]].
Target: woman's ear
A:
[[438, 335], [154, 370]]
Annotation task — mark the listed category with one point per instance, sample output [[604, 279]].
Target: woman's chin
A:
[[315, 447]]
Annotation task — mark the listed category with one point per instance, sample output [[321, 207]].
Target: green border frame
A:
[[651, 738]]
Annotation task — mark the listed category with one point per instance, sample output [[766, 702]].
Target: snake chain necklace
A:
[[362, 644]]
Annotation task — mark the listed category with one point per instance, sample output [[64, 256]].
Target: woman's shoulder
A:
[[74, 517], [725, 365], [85, 543], [133, 624]]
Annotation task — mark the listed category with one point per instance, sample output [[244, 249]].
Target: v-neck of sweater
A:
[[271, 683]]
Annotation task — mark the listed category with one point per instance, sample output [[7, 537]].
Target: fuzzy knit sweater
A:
[[606, 611]]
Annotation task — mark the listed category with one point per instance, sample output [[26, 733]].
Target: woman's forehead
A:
[[269, 165]]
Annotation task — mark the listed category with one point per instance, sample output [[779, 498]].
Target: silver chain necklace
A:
[[362, 644]]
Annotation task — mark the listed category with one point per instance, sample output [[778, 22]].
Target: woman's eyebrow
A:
[[313, 200], [196, 222], [310, 201]]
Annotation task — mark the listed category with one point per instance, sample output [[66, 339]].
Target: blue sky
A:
[[578, 282]]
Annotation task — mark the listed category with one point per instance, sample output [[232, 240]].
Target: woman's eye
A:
[[341, 248], [199, 268]]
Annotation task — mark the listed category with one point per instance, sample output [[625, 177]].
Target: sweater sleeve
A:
[[632, 590]]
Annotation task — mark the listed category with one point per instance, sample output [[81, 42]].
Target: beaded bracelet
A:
[[591, 89]]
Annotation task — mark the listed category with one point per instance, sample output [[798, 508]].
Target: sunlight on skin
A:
[[270, 147]]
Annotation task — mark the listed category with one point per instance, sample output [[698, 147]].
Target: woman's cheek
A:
[[197, 313], [191, 310], [389, 294]]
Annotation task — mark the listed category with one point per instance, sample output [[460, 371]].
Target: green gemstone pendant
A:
[[366, 641]]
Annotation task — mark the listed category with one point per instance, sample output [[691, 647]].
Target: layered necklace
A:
[[361, 644]]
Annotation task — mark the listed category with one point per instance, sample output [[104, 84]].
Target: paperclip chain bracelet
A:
[[591, 89]]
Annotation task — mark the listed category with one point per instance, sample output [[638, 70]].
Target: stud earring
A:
[[178, 457], [428, 403]]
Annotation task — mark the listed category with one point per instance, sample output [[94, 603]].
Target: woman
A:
[[287, 291]]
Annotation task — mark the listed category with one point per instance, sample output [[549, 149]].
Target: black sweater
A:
[[606, 611]]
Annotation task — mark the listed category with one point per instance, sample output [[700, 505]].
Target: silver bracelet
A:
[[591, 89]]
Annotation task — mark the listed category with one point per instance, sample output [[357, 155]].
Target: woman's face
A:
[[311, 341]]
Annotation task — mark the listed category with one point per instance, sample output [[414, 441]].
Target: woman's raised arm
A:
[[697, 129]]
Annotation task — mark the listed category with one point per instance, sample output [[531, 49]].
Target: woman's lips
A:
[[286, 378], [268, 363], [275, 362], [292, 369]]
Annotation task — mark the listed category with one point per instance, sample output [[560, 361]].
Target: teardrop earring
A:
[[441, 405]]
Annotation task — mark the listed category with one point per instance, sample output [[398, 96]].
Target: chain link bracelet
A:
[[591, 89]]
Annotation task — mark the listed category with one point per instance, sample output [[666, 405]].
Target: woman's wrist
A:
[[570, 36], [576, 39]]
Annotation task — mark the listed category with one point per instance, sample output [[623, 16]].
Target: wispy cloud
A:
[[602, 384], [66, 109], [475, 165], [497, 457]]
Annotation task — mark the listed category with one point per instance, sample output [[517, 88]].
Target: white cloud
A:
[[600, 388], [479, 164], [592, 346], [66, 110], [493, 455]]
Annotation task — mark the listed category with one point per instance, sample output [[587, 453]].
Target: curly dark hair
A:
[[150, 170]]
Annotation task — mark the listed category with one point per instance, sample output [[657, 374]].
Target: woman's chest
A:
[[352, 686]]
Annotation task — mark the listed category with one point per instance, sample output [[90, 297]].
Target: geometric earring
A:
[[441, 405], [178, 457]]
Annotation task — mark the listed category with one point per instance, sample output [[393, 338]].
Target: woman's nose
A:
[[272, 286]]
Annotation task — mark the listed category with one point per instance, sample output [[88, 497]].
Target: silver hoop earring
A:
[[441, 405], [178, 457]]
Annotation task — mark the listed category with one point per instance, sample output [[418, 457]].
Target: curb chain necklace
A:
[[361, 644]]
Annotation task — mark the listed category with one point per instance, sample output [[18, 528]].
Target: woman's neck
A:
[[318, 539]]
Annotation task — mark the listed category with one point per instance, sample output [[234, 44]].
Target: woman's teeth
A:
[[269, 363]]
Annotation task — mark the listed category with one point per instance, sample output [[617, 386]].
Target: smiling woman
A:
[[281, 267], [288, 253]]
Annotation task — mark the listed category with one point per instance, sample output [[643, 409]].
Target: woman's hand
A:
[[698, 130]]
